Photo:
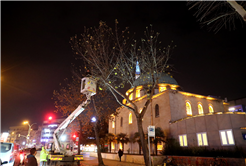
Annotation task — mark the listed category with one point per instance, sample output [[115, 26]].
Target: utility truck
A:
[[59, 153]]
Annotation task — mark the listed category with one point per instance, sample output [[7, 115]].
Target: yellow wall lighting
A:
[[162, 88], [210, 98], [243, 128], [228, 112], [129, 91], [239, 112], [124, 101]]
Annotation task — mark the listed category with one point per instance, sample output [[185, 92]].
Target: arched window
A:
[[130, 118], [131, 96], [188, 108], [200, 109], [137, 93], [113, 124], [156, 110], [211, 109]]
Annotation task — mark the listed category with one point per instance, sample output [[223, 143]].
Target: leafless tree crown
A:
[[219, 14]]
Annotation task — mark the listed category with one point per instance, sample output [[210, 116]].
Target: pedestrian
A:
[[31, 159], [120, 153], [43, 157]]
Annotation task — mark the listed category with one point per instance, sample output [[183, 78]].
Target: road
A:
[[17, 158], [89, 161]]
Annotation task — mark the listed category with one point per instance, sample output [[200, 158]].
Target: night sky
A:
[[36, 55]]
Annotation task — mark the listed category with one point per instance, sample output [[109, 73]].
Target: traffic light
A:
[[50, 117], [74, 136]]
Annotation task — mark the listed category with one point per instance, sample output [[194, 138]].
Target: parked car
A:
[[7, 155]]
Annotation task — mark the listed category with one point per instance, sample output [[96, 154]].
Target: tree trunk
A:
[[143, 142], [238, 8], [156, 149], [100, 160], [139, 148], [80, 135]]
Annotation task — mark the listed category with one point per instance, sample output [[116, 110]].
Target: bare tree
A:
[[111, 56], [219, 14]]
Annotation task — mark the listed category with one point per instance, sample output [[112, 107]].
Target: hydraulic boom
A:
[[88, 87]]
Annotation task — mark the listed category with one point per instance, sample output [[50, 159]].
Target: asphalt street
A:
[[88, 161]]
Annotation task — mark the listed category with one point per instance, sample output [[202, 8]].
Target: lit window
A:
[[188, 108], [226, 137], [183, 140], [137, 93], [112, 145], [141, 109], [120, 145], [162, 88], [159, 146], [130, 97], [113, 124], [202, 139], [156, 110], [130, 118], [200, 109], [211, 109]]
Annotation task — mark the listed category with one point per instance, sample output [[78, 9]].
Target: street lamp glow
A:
[[93, 119], [26, 122], [63, 138]]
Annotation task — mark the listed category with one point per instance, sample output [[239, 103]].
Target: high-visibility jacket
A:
[[43, 155]]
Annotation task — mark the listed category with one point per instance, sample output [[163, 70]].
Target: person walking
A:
[[120, 153], [43, 157], [31, 159]]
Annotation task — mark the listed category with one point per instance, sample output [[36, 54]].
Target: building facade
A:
[[18, 134], [192, 119]]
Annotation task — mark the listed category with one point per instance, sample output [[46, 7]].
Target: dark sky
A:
[[36, 55]]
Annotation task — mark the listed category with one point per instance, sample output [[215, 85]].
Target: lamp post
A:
[[29, 130]]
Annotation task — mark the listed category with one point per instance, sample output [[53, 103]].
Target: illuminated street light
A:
[[63, 138], [93, 119], [26, 122], [29, 130]]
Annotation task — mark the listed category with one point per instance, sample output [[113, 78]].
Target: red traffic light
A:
[[50, 118], [74, 136]]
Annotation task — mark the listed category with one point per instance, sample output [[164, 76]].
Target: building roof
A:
[[145, 79]]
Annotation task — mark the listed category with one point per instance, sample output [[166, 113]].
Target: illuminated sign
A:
[[52, 125], [46, 130]]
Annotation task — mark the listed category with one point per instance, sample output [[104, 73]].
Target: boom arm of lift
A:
[[88, 87]]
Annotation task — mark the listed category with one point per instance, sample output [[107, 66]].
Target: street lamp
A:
[[93, 119], [29, 130]]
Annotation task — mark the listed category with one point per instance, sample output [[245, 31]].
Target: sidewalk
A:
[[92, 161]]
